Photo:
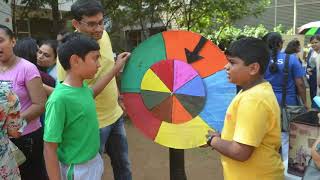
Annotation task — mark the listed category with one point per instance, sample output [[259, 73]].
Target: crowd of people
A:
[[60, 103]]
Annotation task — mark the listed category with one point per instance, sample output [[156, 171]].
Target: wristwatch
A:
[[209, 140]]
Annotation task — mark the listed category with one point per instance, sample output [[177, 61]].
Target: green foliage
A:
[[232, 33], [132, 13], [203, 16], [213, 16]]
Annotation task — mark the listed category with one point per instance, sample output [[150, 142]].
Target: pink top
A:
[[21, 73]]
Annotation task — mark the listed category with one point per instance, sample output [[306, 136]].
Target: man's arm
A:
[[51, 160], [231, 149], [105, 79]]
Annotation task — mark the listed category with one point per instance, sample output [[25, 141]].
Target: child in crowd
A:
[[251, 136], [71, 127]]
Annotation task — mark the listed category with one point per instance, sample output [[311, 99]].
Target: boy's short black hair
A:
[[75, 44], [250, 50], [63, 32], [86, 8]]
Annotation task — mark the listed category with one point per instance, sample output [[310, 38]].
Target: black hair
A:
[[292, 46], [7, 30], [250, 50], [27, 48], [274, 42], [53, 44], [75, 44], [317, 37], [86, 8]]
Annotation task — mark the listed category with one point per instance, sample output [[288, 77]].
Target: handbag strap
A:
[[285, 80]]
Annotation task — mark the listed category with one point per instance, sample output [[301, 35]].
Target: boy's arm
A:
[[105, 79], [51, 160], [232, 149]]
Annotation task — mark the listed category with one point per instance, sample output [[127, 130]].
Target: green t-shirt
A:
[[71, 122]]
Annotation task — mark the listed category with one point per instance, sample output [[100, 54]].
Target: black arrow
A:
[[193, 56]]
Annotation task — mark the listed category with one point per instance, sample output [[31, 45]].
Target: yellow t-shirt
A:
[[253, 118], [108, 109]]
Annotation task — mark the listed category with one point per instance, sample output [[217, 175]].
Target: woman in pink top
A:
[[27, 84]]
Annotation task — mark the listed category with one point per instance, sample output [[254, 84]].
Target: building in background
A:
[[36, 22], [290, 13]]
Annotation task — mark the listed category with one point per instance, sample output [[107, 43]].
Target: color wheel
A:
[[165, 85], [175, 96]]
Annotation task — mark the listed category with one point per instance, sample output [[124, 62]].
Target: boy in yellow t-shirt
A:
[[250, 139]]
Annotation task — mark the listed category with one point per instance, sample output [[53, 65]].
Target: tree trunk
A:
[[177, 170], [56, 20], [13, 16]]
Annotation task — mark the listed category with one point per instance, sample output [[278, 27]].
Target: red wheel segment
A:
[[140, 115]]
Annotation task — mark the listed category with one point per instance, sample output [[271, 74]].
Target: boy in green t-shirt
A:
[[250, 139], [71, 132]]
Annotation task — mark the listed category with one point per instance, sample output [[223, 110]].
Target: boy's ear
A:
[[254, 68], [74, 60]]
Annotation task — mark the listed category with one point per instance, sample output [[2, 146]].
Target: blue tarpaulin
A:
[[220, 93]]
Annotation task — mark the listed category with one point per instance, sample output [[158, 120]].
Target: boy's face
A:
[[239, 73], [89, 66]]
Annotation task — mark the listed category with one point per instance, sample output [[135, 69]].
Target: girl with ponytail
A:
[[274, 74]]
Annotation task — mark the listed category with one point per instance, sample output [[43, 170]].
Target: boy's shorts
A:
[[91, 170]]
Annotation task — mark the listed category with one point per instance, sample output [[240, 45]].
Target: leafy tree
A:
[[208, 17], [232, 33], [137, 14], [211, 17]]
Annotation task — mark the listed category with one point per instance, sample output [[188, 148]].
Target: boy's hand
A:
[[210, 136], [121, 60]]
